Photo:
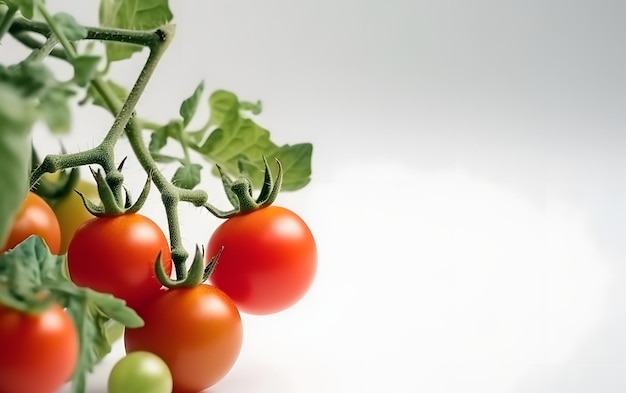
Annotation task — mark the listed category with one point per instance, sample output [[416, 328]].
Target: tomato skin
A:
[[39, 351], [35, 218], [197, 331], [116, 255], [140, 372], [71, 212], [268, 262]]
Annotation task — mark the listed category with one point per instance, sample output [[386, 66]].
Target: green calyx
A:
[[239, 192], [197, 274], [114, 196]]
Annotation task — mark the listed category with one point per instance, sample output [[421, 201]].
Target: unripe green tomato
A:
[[140, 372]]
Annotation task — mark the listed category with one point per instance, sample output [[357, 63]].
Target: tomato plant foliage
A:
[[45, 275], [90, 257]]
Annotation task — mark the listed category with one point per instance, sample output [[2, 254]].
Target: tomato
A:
[[116, 255], [39, 351], [268, 262], [140, 372], [71, 212], [35, 218], [197, 331]]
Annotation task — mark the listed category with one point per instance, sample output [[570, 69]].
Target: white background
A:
[[468, 190]]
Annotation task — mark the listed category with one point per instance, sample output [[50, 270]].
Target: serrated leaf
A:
[[42, 267], [158, 140], [190, 105], [55, 110], [72, 30], [30, 269], [115, 309], [85, 68], [224, 107], [187, 176], [253, 107], [31, 79], [296, 163], [26, 7], [17, 116], [228, 146], [133, 15]]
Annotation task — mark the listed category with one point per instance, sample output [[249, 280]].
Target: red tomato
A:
[[35, 218], [197, 331], [268, 262], [116, 255], [39, 351]]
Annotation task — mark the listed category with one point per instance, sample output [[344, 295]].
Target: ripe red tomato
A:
[[35, 218], [39, 351], [268, 262], [197, 331], [116, 255]]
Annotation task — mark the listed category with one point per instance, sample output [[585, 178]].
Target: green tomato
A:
[[140, 372]]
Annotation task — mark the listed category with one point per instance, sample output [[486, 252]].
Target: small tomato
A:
[[197, 331], [39, 351], [140, 372], [35, 217], [268, 262]]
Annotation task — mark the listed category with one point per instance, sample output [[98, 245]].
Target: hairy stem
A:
[[7, 21], [42, 52], [138, 37], [54, 27]]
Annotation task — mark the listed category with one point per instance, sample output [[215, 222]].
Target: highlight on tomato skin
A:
[[268, 261], [35, 217], [39, 351], [197, 331], [116, 255]]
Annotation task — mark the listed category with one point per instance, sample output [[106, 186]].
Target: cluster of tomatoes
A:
[[267, 261]]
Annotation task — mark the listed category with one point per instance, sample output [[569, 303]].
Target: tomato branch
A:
[[7, 20]]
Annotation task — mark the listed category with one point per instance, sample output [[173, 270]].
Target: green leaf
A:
[[224, 107], [26, 7], [190, 105], [187, 176], [55, 109], [30, 270], [296, 163], [31, 79], [133, 15], [115, 309], [85, 68], [252, 107], [158, 139], [72, 30], [119, 91], [17, 116]]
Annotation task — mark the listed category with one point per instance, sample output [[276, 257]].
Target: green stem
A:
[[54, 27], [126, 112], [7, 21], [149, 125], [183, 143], [138, 37], [42, 52]]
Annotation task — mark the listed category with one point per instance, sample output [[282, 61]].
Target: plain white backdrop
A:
[[468, 188]]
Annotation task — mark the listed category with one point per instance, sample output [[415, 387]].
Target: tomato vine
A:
[[240, 150]]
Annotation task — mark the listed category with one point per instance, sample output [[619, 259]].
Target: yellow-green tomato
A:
[[140, 372], [71, 211]]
